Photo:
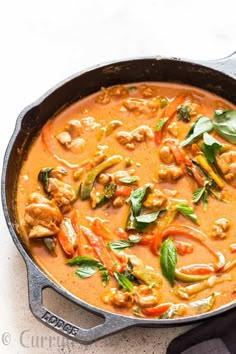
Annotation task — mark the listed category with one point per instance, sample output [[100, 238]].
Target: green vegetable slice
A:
[[211, 146], [188, 212], [224, 123], [200, 126], [124, 282], [122, 244], [168, 260], [88, 267]]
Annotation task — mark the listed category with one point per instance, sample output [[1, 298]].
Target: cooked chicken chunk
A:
[[74, 128], [220, 228], [169, 173], [154, 199], [227, 164], [61, 192], [166, 155], [138, 135], [64, 138], [42, 215]]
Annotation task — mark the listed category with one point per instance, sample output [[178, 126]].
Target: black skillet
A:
[[217, 76]]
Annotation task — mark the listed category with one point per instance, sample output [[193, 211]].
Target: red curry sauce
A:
[[120, 184]]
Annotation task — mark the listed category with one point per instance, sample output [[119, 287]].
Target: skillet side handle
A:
[[37, 282], [226, 65]]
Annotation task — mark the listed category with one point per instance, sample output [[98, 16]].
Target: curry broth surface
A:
[[146, 162]]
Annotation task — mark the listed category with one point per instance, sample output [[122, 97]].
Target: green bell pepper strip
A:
[[88, 182]]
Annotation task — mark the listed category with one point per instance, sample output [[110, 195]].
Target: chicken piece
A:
[[42, 215], [155, 199], [141, 133], [169, 173], [173, 129], [103, 97], [137, 135], [124, 137], [220, 227], [64, 138], [89, 123], [74, 128], [77, 145], [227, 164], [138, 105], [117, 91], [118, 298], [146, 297], [166, 155], [61, 192], [148, 92]]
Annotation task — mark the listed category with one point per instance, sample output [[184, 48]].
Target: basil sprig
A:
[[211, 146], [119, 245], [200, 126], [224, 123], [129, 179], [188, 212], [168, 260], [88, 267], [124, 282]]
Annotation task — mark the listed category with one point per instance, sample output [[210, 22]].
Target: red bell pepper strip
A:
[[67, 237], [157, 310], [169, 113], [98, 227], [189, 232], [123, 191], [106, 257], [183, 247]]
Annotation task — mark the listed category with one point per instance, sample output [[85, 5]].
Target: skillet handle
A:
[[37, 282], [227, 64]]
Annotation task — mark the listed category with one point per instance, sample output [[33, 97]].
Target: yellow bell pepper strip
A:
[[67, 237], [88, 182], [188, 291], [200, 159], [189, 278]]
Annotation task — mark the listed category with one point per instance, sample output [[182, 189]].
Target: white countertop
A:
[[42, 43]]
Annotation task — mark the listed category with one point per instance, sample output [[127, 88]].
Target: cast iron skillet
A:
[[217, 76]]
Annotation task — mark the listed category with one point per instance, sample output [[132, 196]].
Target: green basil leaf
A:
[[187, 211], [88, 266], [43, 177], [142, 221], [129, 179], [148, 218], [119, 245], [134, 238], [211, 146], [198, 194], [160, 124], [104, 273], [183, 113], [201, 125], [85, 271], [124, 282], [224, 122], [168, 260], [109, 190], [83, 261], [136, 198], [122, 244]]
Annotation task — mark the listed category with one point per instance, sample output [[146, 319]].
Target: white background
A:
[[42, 43]]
